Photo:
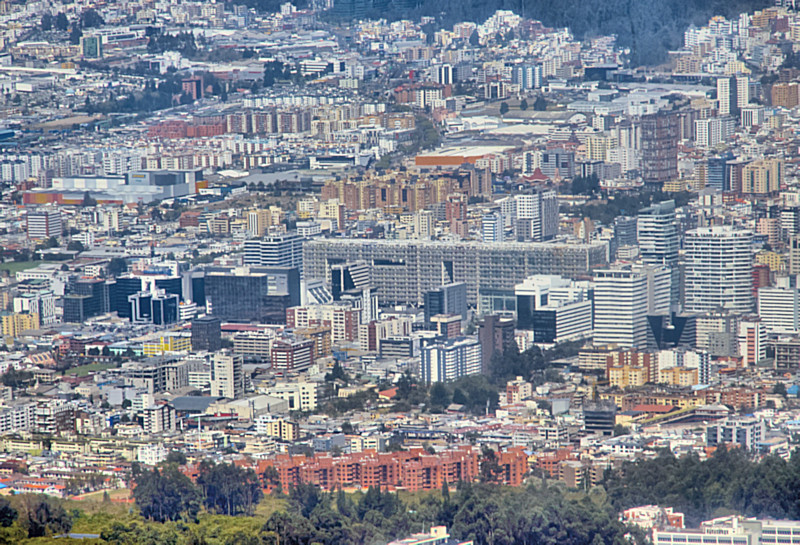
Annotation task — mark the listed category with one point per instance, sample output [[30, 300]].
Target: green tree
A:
[[47, 22], [88, 200], [117, 266], [229, 489], [523, 105], [75, 246], [440, 397], [75, 34], [540, 104], [61, 22], [43, 516], [165, 494], [503, 108]]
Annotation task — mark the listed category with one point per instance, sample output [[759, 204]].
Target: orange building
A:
[[412, 470]]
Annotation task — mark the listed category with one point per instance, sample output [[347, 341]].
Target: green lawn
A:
[[14, 267], [84, 370]]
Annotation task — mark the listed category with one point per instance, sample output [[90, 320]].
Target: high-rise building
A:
[[495, 335], [712, 131], [227, 376], [762, 177], [779, 309], [257, 294], [284, 250], [492, 227], [206, 333], [536, 216], [290, 354], [85, 298], [733, 93], [555, 309], [450, 360], [447, 299], [718, 172], [752, 341], [718, 270], [43, 223], [625, 228], [620, 308], [659, 147], [351, 282], [657, 232]]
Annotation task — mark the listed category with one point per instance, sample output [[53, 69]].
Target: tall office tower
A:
[[227, 376], [794, 254], [727, 90], [251, 294], [127, 285], [42, 224], [85, 297], [444, 74], [495, 335], [260, 220], [657, 231], [779, 306], [625, 228], [714, 130], [284, 250], [659, 147], [492, 227], [718, 270], [351, 282], [718, 176], [752, 341], [620, 308], [447, 299], [206, 333], [536, 216]]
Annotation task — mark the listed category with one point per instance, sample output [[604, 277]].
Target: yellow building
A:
[[168, 342], [762, 177], [678, 376], [598, 144], [773, 260], [15, 324], [279, 428], [628, 376]]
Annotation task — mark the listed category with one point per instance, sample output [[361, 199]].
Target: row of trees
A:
[[165, 494], [485, 514], [729, 482]]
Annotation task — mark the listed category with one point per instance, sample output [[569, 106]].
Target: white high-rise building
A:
[[284, 250], [657, 234], [718, 270], [451, 359], [43, 223], [779, 309], [533, 215], [620, 307], [227, 376], [492, 227]]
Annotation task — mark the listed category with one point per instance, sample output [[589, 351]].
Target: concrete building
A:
[[227, 376], [620, 308], [43, 223], [718, 270], [657, 234], [450, 360], [403, 270]]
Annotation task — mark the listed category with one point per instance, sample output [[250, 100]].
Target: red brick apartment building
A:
[[411, 470]]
